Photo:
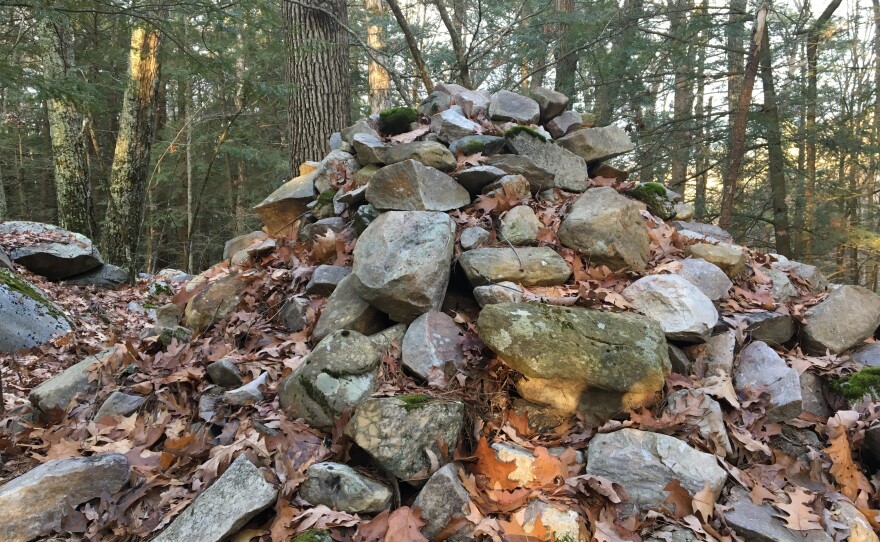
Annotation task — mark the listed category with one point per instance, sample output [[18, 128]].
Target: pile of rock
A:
[[401, 180]]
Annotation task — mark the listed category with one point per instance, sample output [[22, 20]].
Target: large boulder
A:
[[580, 349], [50, 251], [506, 105], [683, 311], [223, 509], [608, 228], [660, 460], [52, 397], [287, 204], [848, 316], [569, 170], [340, 487], [29, 319], [345, 309], [597, 144], [107, 276], [37, 501], [398, 432], [412, 186], [337, 375], [403, 260], [529, 266], [760, 368]]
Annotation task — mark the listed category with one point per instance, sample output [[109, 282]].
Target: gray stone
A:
[[760, 524], [809, 273], [412, 186], [363, 217], [608, 228], [225, 507], [334, 169], [242, 256], [771, 327], [660, 460], [397, 431], [683, 311], [451, 124], [709, 231], [342, 488], [529, 266], [453, 89], [813, 395], [335, 141], [860, 529], [6, 262], [336, 376], [564, 124], [670, 534], [473, 237], [431, 349], [848, 316], [403, 261], [506, 105], [250, 393], [29, 318], [550, 102], [119, 404], [36, 502], [515, 164], [473, 102], [107, 276], [429, 153], [520, 226], [473, 144], [680, 362], [434, 103], [760, 367], [706, 276], [514, 187], [369, 148], [718, 354], [475, 178], [51, 252], [294, 313], [730, 258], [442, 499], [578, 349], [503, 292], [782, 289], [362, 126], [569, 170], [214, 303], [225, 373], [285, 206], [383, 340], [310, 232], [208, 403], [710, 424], [867, 355], [597, 144], [55, 394], [325, 279], [684, 211], [346, 309]]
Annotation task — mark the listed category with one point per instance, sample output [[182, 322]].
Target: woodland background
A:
[[154, 126]]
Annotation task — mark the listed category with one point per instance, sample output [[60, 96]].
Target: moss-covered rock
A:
[[29, 319], [314, 535], [396, 120], [859, 384], [654, 196], [515, 130]]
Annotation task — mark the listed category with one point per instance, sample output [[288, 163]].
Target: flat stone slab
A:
[[54, 395], [50, 251], [225, 507], [412, 186], [29, 318], [506, 105], [597, 144], [528, 266], [683, 311], [760, 524], [287, 204]]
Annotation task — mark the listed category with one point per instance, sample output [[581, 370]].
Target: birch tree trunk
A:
[[131, 159], [66, 132]]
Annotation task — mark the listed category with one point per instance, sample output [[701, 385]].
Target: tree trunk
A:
[[683, 98], [317, 72], [458, 47], [131, 159], [66, 131], [738, 130], [377, 75], [566, 59], [874, 269], [776, 159]]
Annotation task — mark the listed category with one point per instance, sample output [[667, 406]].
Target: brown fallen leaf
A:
[[798, 515], [404, 525]]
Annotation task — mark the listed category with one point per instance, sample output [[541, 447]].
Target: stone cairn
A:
[[591, 290]]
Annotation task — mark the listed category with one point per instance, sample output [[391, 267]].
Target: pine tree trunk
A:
[[683, 99], [377, 76], [566, 59], [131, 159], [317, 72], [66, 132]]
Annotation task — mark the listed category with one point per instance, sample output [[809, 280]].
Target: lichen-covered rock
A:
[[59, 254], [412, 186], [520, 226], [442, 499], [660, 458], [36, 502], [701, 230], [569, 170], [529, 266], [654, 196], [579, 349], [29, 318], [848, 316], [759, 367], [431, 349], [403, 260], [597, 144], [608, 228], [683, 311], [429, 153], [337, 375], [225, 507], [340, 487], [397, 431], [506, 105]]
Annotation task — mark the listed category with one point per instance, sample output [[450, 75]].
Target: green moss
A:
[[313, 535], [412, 402], [654, 196], [857, 385], [326, 197], [472, 146], [18, 284], [656, 188], [396, 120], [516, 130]]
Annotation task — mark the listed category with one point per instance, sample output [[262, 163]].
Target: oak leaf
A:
[[799, 516]]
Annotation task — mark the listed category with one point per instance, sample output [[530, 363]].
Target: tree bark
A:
[[738, 130], [318, 75], [66, 132], [413, 44], [566, 60], [461, 60], [776, 159], [684, 97], [377, 76], [131, 159]]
